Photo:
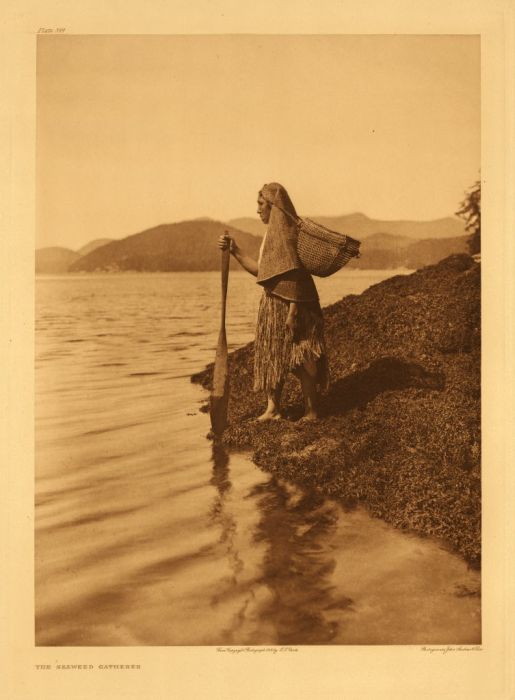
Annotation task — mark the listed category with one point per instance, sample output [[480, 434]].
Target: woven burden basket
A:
[[322, 251]]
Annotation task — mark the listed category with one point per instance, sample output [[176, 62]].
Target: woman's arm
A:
[[245, 261]]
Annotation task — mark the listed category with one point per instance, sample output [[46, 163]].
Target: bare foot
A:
[[269, 415], [308, 417]]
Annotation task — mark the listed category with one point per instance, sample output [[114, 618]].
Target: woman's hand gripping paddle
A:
[[220, 392]]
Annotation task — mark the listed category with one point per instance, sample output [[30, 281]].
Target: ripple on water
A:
[[146, 534]]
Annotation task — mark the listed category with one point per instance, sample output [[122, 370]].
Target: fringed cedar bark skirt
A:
[[277, 351]]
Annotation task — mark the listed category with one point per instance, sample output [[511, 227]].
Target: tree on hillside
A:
[[470, 211]]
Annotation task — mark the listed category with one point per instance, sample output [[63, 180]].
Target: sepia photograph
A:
[[256, 271], [257, 340]]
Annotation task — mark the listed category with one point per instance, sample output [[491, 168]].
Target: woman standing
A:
[[289, 333]]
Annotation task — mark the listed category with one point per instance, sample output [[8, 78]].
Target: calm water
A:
[[145, 536]]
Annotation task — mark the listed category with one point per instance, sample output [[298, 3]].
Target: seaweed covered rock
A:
[[400, 423]]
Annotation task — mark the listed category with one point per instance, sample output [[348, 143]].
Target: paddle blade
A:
[[220, 394], [218, 410]]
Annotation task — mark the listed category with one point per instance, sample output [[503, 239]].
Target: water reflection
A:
[[222, 516], [148, 535], [220, 477], [298, 567], [294, 531]]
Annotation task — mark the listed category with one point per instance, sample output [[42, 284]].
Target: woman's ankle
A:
[[270, 414]]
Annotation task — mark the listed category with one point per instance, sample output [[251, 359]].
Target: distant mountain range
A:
[[54, 260], [383, 251], [93, 245], [360, 226], [191, 245], [185, 246]]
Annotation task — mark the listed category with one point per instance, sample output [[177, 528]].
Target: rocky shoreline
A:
[[400, 423]]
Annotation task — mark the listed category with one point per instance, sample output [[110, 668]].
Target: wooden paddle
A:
[[220, 392]]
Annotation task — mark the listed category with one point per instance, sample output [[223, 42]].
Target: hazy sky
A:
[[138, 131]]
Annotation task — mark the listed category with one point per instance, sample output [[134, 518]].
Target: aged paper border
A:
[[311, 672]]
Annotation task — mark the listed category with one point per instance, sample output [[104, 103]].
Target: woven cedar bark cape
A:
[[280, 270]]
